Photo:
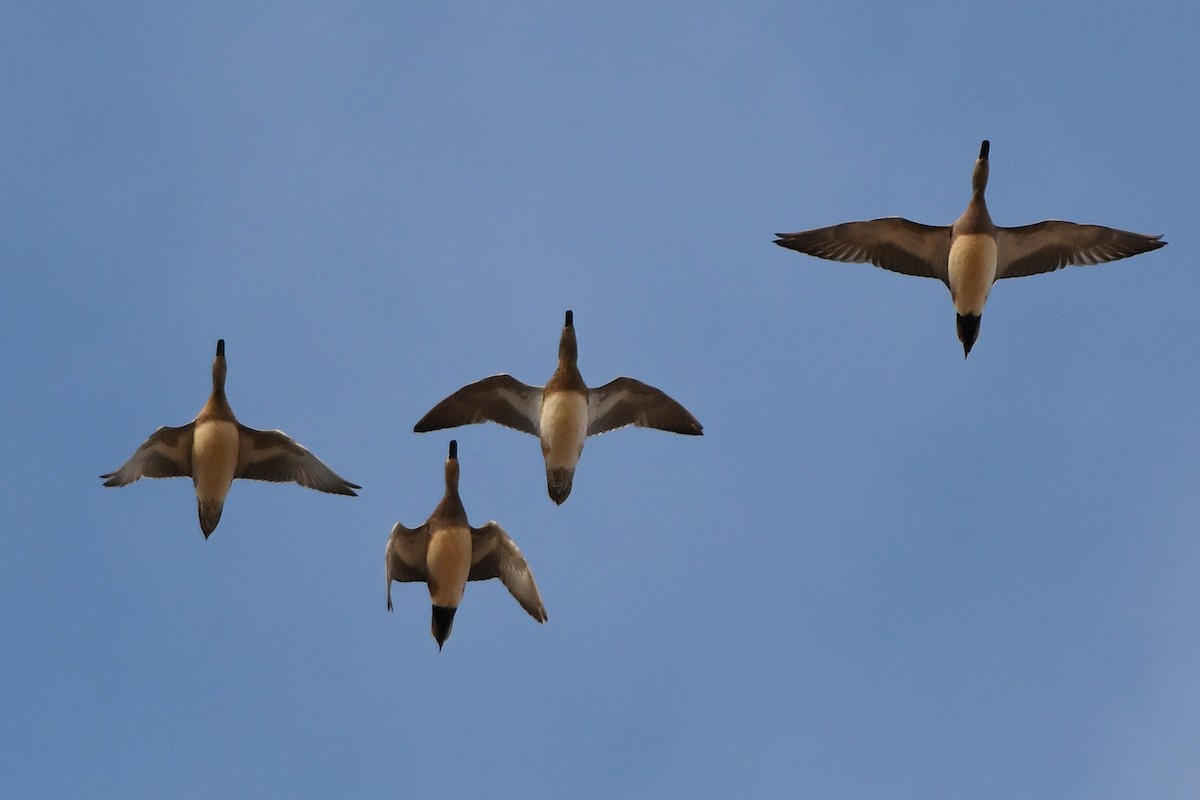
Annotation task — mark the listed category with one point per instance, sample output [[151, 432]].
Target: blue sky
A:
[[882, 572]]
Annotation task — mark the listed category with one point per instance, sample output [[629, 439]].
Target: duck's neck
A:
[[979, 179]]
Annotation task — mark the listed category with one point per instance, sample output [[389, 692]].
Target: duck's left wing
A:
[[275, 456], [496, 555], [1053, 244], [625, 401]]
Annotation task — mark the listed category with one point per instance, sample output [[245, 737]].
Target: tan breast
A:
[[214, 459], [972, 267], [448, 563], [563, 428]]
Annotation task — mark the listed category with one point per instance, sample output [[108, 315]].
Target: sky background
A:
[[883, 571]]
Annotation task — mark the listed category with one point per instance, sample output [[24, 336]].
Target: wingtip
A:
[[570, 319], [984, 149], [220, 347], [424, 425], [453, 449]]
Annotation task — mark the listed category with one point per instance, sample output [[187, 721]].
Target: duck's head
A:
[[568, 351], [979, 178], [219, 368]]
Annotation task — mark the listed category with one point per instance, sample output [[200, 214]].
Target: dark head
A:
[[968, 331], [979, 178], [443, 621], [568, 351], [218, 368], [452, 467]]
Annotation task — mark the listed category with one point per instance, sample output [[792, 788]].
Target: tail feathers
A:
[[443, 620], [210, 515], [558, 483]]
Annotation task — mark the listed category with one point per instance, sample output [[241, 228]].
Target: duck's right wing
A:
[[894, 243], [404, 558], [500, 398], [166, 454]]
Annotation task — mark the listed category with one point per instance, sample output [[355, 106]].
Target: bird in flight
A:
[[973, 253]]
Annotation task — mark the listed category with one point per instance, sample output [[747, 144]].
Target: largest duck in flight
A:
[[973, 253], [562, 413]]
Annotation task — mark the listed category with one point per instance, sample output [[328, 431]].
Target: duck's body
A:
[[563, 413], [214, 449], [973, 253], [446, 552]]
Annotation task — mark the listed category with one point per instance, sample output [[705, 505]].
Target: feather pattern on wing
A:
[[893, 243], [499, 398], [1053, 244], [496, 555], [405, 556], [275, 456], [626, 401], [166, 454]]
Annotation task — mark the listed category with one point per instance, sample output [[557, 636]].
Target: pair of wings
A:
[[505, 400], [911, 248], [262, 456], [493, 555]]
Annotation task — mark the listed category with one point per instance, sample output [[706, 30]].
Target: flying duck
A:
[[215, 448], [446, 552], [973, 253], [562, 413]]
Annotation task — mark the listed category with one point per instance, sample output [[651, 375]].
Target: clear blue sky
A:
[[882, 572]]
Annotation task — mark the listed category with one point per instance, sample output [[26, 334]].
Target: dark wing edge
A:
[[1053, 244], [627, 401], [275, 456], [892, 243], [498, 398], [497, 556], [405, 549], [166, 454]]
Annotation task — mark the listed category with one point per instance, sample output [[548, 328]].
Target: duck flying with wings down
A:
[[446, 552]]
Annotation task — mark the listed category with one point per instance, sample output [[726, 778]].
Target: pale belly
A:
[[448, 562], [563, 429], [972, 267], [214, 459]]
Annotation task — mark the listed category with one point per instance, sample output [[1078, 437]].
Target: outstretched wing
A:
[[1053, 244], [166, 454], [496, 555], [275, 456], [625, 401], [894, 243], [500, 398]]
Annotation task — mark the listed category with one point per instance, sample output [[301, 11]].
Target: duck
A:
[[563, 413], [970, 255], [446, 552], [214, 449]]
